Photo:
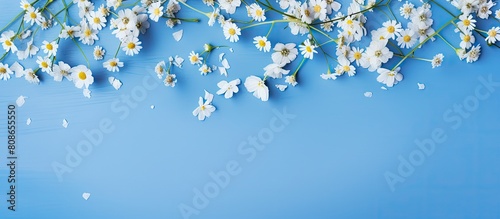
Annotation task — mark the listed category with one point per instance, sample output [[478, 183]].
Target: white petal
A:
[[65, 123], [223, 71], [86, 195], [281, 87], [178, 35], [152, 106], [17, 69], [86, 93], [231, 49], [117, 84], [225, 64], [21, 100], [208, 97], [221, 56], [178, 61], [421, 86], [383, 88], [28, 121], [111, 79], [223, 84], [368, 94]]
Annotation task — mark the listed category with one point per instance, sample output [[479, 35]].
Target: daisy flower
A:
[[275, 70], [87, 34], [113, 65], [81, 76], [406, 10], [61, 70], [50, 48], [345, 67], [391, 29], [132, 46], [437, 60], [155, 11], [6, 40], [388, 77], [5, 72], [231, 32], [69, 31], [262, 43], [319, 9], [228, 88], [284, 53], [31, 77], [497, 14], [25, 5], [493, 35], [467, 40], [258, 87], [484, 9], [195, 58], [170, 80], [229, 5], [98, 53], [473, 54], [204, 69], [204, 109], [97, 20], [292, 80], [257, 13], [306, 13], [32, 15], [466, 23], [45, 64], [377, 53], [160, 68], [406, 39], [307, 50], [332, 5], [356, 55]]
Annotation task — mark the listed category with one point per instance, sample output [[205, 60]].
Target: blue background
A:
[[328, 162]]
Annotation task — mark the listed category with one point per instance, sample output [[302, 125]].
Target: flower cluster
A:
[[380, 47]]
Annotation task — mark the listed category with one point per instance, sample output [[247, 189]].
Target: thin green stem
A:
[[446, 41], [298, 67], [265, 22], [194, 9], [118, 49], [270, 29]]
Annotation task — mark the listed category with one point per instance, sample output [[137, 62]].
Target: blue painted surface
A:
[[329, 161]]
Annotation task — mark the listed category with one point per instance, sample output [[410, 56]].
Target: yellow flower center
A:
[[232, 31], [113, 63], [317, 8], [407, 38], [3, 70], [466, 38], [262, 43], [346, 68], [466, 22], [87, 32], [156, 12], [131, 45], [44, 64], [258, 12], [202, 107], [194, 59], [49, 46], [32, 15], [8, 43], [378, 53], [492, 33], [391, 29], [357, 55], [308, 49], [349, 22], [97, 20], [82, 75], [391, 74]]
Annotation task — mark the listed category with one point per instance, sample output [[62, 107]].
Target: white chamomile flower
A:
[[493, 35], [377, 53], [473, 54], [229, 5], [61, 70], [257, 13], [262, 43], [204, 109], [391, 29], [274, 70], [467, 40], [5, 72], [345, 67], [50, 48], [32, 15], [97, 20], [228, 88], [284, 53], [82, 76], [113, 65], [25, 5], [155, 11], [195, 58], [356, 55], [7, 43], [160, 69], [69, 31], [484, 11], [319, 9], [437, 60], [98, 53], [388, 77], [497, 14], [87, 34], [308, 50], [204, 69], [258, 87], [132, 46], [406, 39], [406, 10], [44, 64], [231, 32], [291, 79], [170, 80], [31, 77], [466, 23]]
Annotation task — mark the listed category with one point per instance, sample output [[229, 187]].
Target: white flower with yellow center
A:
[[160, 69], [61, 70], [31, 76], [82, 76], [228, 88], [45, 64], [231, 32], [5, 72], [391, 29], [32, 15], [356, 55], [467, 40], [406, 39], [345, 67], [493, 35], [473, 54], [258, 87], [50, 48], [7, 43], [319, 9], [388, 77], [308, 50], [204, 109], [406, 10], [229, 5], [284, 53], [98, 53], [69, 31], [131, 46], [113, 65], [25, 5], [155, 11], [170, 80], [437, 60], [466, 23], [204, 69], [195, 58], [262, 43], [257, 13], [292, 80], [87, 34], [97, 20]]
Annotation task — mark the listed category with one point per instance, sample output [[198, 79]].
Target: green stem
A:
[[265, 22], [194, 9], [446, 41], [298, 67], [118, 49], [270, 29]]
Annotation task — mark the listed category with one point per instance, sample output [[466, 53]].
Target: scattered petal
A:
[[86, 195], [115, 82], [21, 100], [152, 106], [223, 71], [383, 88], [231, 49], [178, 61], [221, 56], [368, 94], [421, 86], [65, 123], [225, 64], [17, 69], [178, 35], [86, 93], [28, 121], [281, 87]]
